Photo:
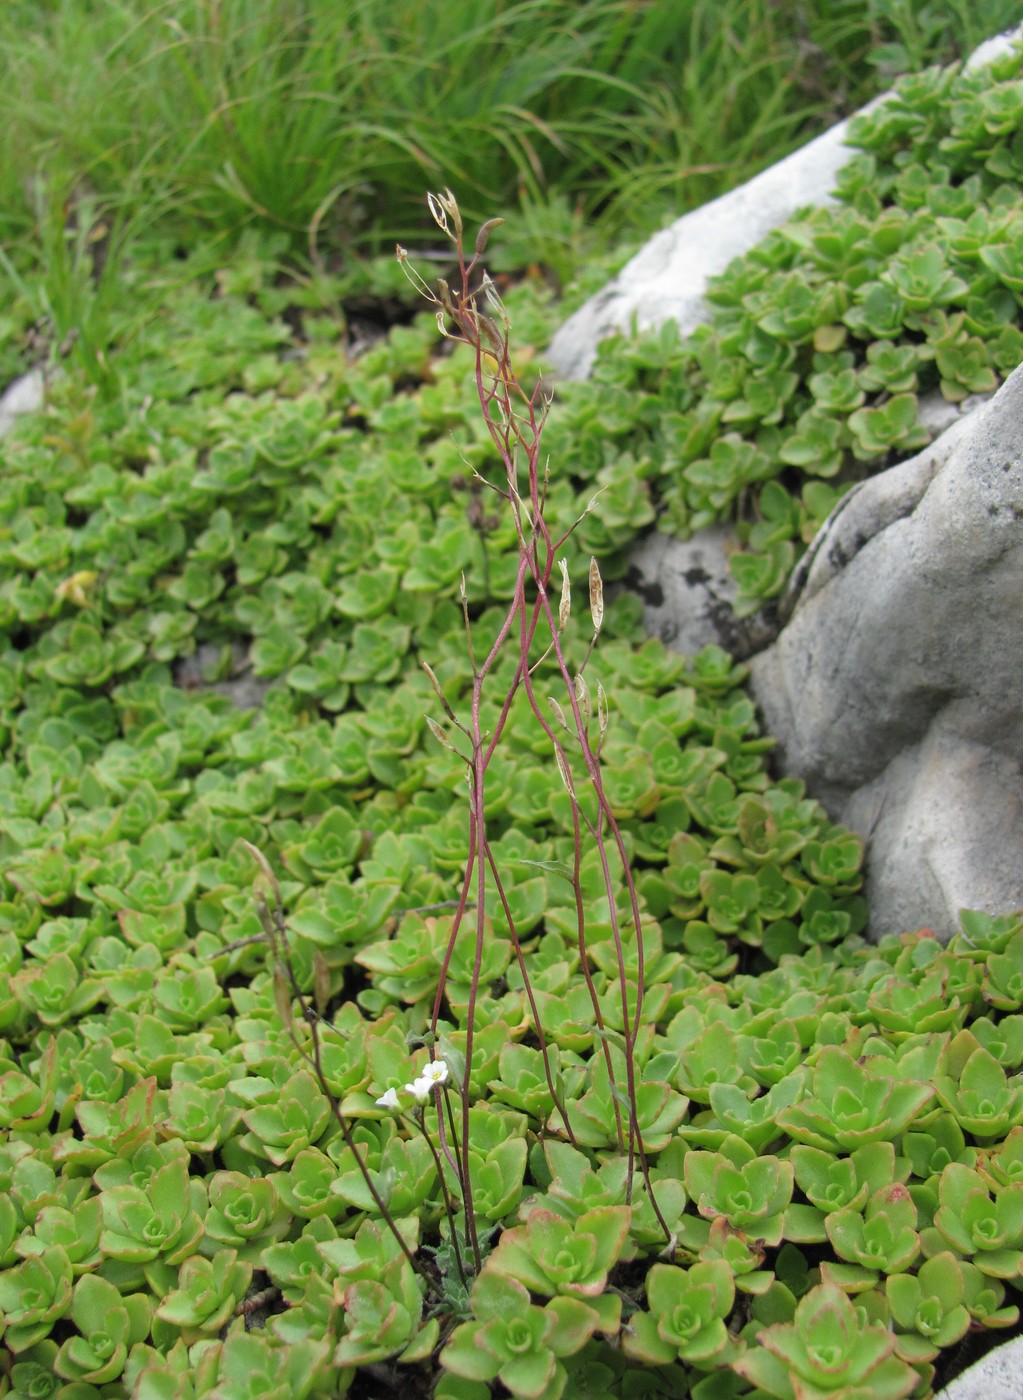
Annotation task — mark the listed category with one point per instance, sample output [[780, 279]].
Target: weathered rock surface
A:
[[996, 1376], [666, 280], [687, 591], [894, 688], [25, 395], [243, 689], [685, 586]]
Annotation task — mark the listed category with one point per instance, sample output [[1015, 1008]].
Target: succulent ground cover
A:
[[714, 1143], [825, 338]]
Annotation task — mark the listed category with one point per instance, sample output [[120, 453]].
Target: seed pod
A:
[[282, 996], [559, 713], [566, 776], [439, 734], [265, 868], [565, 610], [596, 597], [440, 694], [484, 234], [602, 715], [441, 205], [582, 696]]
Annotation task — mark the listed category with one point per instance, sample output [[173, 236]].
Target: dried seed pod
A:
[[595, 597], [565, 610], [440, 206], [602, 713], [582, 696], [439, 734], [566, 776], [559, 713], [439, 692], [282, 995], [265, 869]]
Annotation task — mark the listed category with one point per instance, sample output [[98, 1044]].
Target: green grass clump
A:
[[327, 121]]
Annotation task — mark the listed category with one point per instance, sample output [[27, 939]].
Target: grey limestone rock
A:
[[894, 688], [242, 688], [688, 593], [666, 279], [25, 395], [996, 1376]]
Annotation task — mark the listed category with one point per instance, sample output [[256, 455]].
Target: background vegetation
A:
[[328, 121], [243, 515]]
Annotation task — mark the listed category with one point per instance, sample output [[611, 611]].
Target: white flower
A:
[[434, 1073], [390, 1099]]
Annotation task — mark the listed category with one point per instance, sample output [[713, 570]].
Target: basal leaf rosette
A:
[[208, 1292], [829, 1349], [382, 1317], [1003, 1165], [927, 1308], [840, 1183], [849, 1104], [161, 1221], [750, 1192], [514, 1341], [883, 1239], [745, 1259], [983, 1101], [905, 1007], [295, 1120], [109, 1325], [551, 1255], [244, 1213], [986, 1226], [688, 1309], [594, 1118], [984, 1299], [305, 1187], [754, 1121], [251, 1366], [76, 1231], [523, 1079], [33, 1295]]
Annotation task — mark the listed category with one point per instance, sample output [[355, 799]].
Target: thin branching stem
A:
[[449, 1207], [515, 422], [275, 929], [528, 988]]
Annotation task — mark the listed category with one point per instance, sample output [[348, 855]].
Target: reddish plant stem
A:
[[275, 929], [528, 986], [514, 424]]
